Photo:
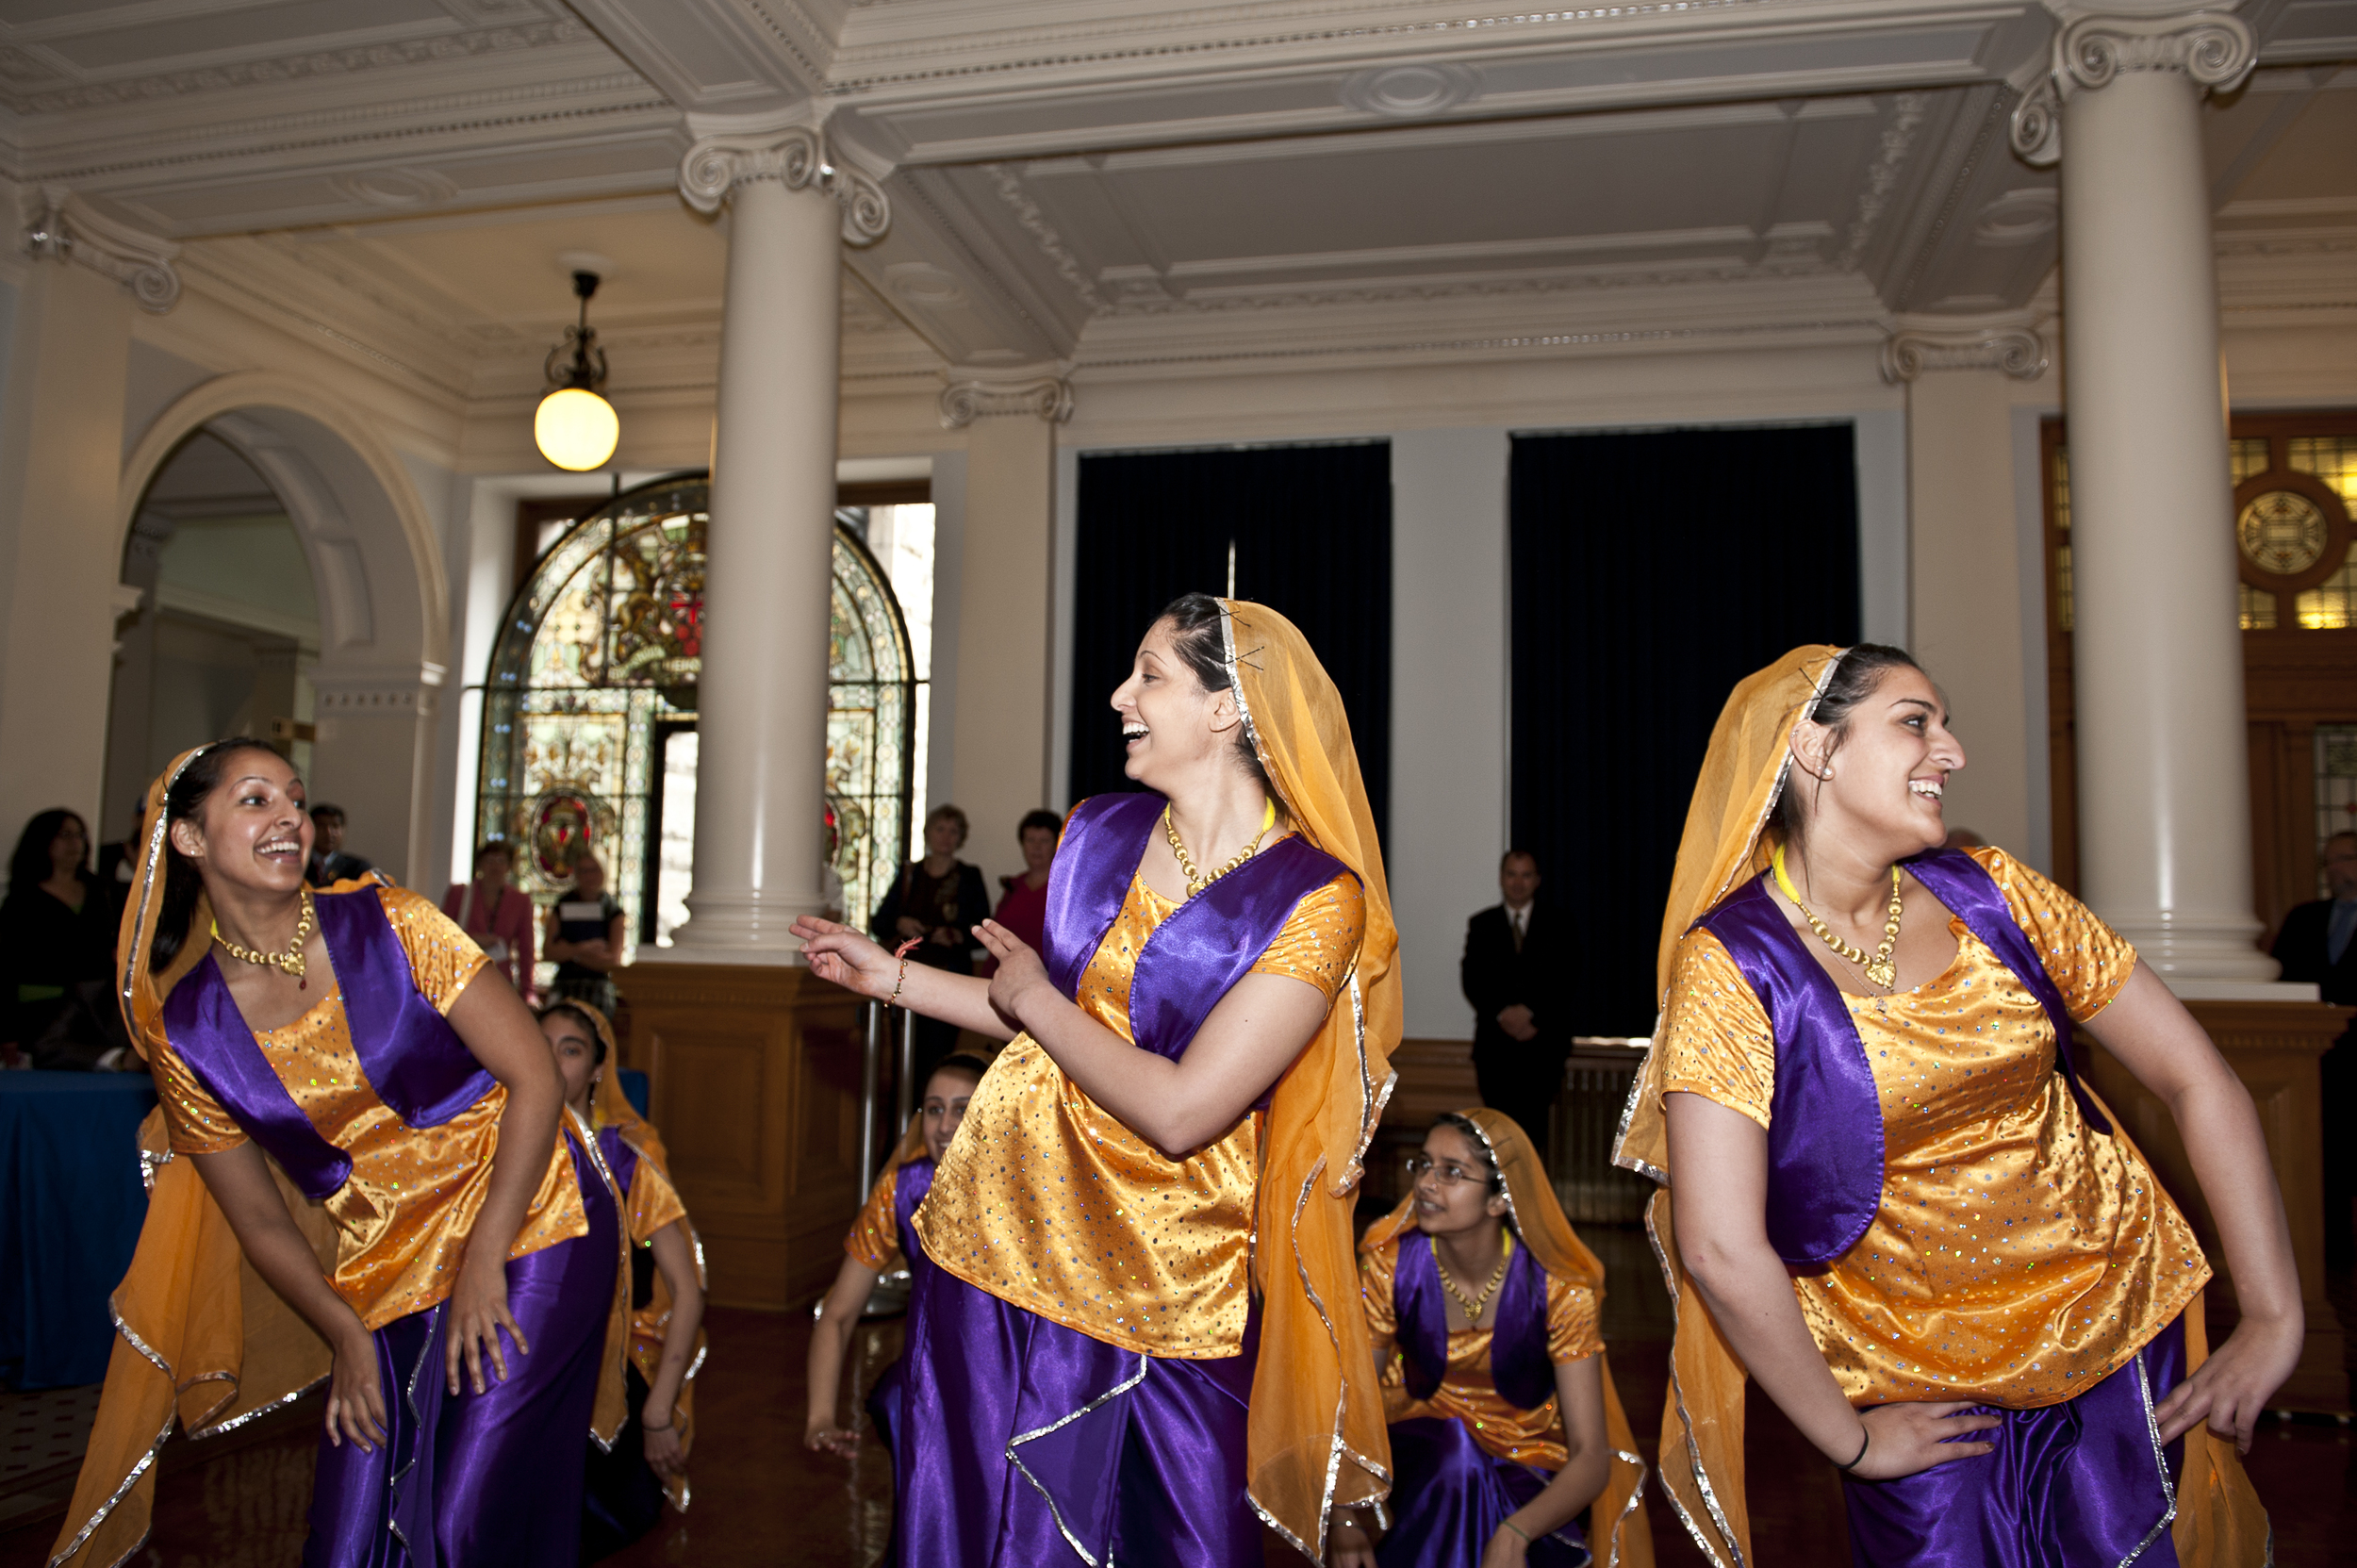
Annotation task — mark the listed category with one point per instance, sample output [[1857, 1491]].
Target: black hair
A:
[[579, 1010], [1853, 680], [1048, 819], [185, 803], [323, 809], [1473, 1137], [1518, 854], [491, 847], [960, 1062], [29, 867], [1195, 637]]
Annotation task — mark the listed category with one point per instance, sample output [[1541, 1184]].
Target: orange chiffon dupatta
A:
[[1317, 1434]]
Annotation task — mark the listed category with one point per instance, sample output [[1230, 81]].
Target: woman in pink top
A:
[[495, 914], [1023, 904]]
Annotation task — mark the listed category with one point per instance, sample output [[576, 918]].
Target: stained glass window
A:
[[2336, 785], [589, 711]]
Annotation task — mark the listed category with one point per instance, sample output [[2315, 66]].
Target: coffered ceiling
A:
[[1072, 179]]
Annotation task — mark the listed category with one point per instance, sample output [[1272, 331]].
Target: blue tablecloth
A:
[[70, 1217]]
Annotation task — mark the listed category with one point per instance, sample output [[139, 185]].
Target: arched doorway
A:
[[589, 711]]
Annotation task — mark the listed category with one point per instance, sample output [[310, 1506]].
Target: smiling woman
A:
[[1891, 1191], [376, 1118]]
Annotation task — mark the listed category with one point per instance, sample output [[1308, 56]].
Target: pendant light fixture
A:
[[576, 428]]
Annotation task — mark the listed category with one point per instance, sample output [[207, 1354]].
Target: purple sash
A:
[[621, 1160], [407, 1052], [909, 1186], [1519, 1364], [1194, 957], [1825, 1148]]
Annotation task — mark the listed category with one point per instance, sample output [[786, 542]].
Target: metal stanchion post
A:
[[904, 1095], [870, 1086]]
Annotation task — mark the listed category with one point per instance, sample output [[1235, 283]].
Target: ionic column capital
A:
[[796, 157], [2214, 49], [64, 227], [2017, 351], [967, 398]]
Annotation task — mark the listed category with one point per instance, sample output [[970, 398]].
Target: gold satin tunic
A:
[[403, 1217], [1046, 1200], [1469, 1390], [2018, 1256], [874, 1241]]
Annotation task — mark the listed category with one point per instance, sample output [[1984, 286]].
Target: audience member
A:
[[2317, 944], [495, 914], [585, 938], [329, 863], [935, 902], [628, 1479], [1023, 899], [54, 937], [1514, 972]]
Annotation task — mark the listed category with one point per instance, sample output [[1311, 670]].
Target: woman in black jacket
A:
[[55, 936], [936, 902]]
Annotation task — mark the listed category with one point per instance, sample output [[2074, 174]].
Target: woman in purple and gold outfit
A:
[[349, 1104], [1140, 1329], [1506, 1428], [1897, 1203]]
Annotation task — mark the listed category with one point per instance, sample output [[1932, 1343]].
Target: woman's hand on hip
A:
[[355, 1392], [2232, 1387], [478, 1310], [1907, 1439], [839, 954], [1020, 980]]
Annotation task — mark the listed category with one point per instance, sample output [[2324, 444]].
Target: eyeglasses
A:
[[1448, 1175]]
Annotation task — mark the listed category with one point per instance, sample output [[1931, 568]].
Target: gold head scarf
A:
[[1540, 1223], [1317, 1432]]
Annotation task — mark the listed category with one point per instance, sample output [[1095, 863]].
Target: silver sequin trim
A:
[[1016, 1460], [1686, 1421], [622, 1230], [2160, 1460]]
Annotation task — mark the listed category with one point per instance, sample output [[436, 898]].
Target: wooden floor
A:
[[762, 1499]]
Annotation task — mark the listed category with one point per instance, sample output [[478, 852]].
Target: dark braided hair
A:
[[1854, 678], [185, 802]]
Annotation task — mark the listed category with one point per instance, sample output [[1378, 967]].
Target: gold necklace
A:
[[291, 962], [1879, 969], [1473, 1304], [1196, 880]]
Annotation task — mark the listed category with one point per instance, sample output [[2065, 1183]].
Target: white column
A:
[[1964, 556], [2164, 791], [762, 699], [1001, 724]]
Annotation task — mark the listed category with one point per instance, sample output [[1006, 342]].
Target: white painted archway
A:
[[383, 595]]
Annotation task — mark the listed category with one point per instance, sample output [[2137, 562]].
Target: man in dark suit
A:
[[2317, 944], [1514, 972], [329, 863]]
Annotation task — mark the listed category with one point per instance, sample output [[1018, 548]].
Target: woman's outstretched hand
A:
[[1904, 1439], [846, 958], [2232, 1387], [1020, 971]]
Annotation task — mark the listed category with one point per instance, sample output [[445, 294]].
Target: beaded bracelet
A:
[[901, 953]]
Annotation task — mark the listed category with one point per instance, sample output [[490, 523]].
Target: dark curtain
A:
[[1312, 532], [1651, 572]]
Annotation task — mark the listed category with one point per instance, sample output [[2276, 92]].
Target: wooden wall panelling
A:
[[754, 1082], [2274, 1048]]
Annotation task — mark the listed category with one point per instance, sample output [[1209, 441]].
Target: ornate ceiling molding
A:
[[796, 157], [2214, 48], [69, 229], [2017, 351], [967, 399]]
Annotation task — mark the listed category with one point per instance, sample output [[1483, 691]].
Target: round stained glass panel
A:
[[2283, 533]]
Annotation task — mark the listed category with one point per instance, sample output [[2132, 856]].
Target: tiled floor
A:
[[762, 1499]]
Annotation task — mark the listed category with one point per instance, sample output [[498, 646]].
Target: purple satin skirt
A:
[[1450, 1496], [487, 1480], [1024, 1444], [2074, 1485]]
